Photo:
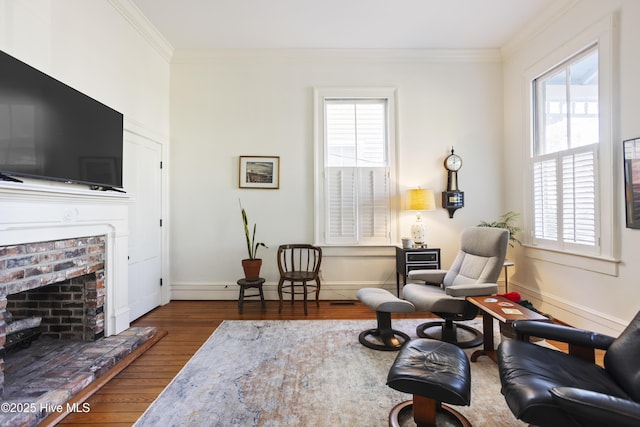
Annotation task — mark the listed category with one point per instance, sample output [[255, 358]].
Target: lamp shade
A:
[[420, 199]]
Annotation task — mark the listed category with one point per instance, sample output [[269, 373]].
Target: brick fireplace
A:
[[69, 242], [61, 282]]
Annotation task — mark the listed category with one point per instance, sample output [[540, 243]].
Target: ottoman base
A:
[[402, 415], [385, 338]]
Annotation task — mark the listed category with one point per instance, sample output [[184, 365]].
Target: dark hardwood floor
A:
[[189, 323]]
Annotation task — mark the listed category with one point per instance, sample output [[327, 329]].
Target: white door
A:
[[143, 182]]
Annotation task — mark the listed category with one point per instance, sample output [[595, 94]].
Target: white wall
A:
[[107, 50], [232, 103], [604, 302], [92, 47]]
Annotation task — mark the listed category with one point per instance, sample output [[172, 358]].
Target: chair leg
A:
[[304, 291], [280, 283], [447, 331], [318, 292]]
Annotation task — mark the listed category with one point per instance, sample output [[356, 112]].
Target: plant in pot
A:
[[506, 221], [251, 265]]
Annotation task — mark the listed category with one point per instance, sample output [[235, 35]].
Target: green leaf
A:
[[252, 245]]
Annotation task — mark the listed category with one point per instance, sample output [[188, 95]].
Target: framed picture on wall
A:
[[631, 150], [260, 172]]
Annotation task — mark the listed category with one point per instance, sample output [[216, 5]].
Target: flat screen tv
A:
[[51, 131]]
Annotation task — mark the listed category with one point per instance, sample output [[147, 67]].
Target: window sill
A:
[[358, 251], [597, 264]]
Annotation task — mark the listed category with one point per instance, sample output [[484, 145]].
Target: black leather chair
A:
[[547, 387]]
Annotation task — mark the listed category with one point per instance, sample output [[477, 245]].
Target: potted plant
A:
[[506, 221], [251, 265]]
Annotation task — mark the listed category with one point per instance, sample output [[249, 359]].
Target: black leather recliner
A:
[[547, 387]]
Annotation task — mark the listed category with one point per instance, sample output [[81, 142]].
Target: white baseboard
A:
[[569, 312], [226, 291]]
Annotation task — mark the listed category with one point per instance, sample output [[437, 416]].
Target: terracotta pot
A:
[[251, 268]]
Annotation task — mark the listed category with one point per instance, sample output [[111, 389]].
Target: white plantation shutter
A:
[[374, 205], [566, 182], [356, 178], [579, 202], [341, 205], [545, 193]]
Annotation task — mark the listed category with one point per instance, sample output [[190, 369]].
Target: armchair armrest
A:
[[566, 334], [429, 276], [472, 289], [590, 408]]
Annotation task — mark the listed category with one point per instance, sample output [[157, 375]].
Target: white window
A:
[[571, 197], [354, 166], [566, 136]]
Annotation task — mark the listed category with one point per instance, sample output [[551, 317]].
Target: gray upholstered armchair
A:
[[443, 292]]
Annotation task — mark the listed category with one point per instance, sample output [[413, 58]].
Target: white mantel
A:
[[35, 212]]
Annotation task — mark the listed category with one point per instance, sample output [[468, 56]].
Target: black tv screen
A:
[[51, 131]]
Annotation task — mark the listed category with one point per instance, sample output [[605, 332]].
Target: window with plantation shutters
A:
[[353, 183], [565, 154]]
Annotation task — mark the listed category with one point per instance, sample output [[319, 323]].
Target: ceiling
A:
[[342, 24]]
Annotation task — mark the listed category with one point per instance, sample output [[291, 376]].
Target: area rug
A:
[[302, 373]]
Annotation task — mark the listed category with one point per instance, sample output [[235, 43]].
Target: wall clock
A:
[[453, 198]]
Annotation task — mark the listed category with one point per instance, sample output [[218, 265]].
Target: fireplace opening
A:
[[69, 310]]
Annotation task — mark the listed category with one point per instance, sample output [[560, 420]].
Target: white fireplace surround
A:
[[33, 212]]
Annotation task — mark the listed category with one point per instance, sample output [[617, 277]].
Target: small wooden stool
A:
[[247, 284]]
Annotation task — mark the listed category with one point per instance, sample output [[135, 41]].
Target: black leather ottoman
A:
[[435, 372]]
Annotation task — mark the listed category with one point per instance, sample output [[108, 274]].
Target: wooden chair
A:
[[299, 265]]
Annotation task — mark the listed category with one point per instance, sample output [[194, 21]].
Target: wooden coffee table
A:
[[504, 310]]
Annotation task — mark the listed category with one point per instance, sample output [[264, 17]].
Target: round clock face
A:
[[453, 162]]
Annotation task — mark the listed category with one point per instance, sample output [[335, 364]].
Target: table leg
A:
[[487, 346], [506, 279]]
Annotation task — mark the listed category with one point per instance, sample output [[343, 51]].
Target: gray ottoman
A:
[[434, 372], [383, 303]]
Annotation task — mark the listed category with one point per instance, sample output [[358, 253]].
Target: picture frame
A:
[[259, 172], [631, 156]]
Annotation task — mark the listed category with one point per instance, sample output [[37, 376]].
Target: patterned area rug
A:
[[302, 373]]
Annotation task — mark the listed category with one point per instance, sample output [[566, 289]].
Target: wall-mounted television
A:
[[51, 131]]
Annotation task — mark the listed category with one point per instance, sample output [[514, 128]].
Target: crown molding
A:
[[195, 56], [544, 20], [132, 14]]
